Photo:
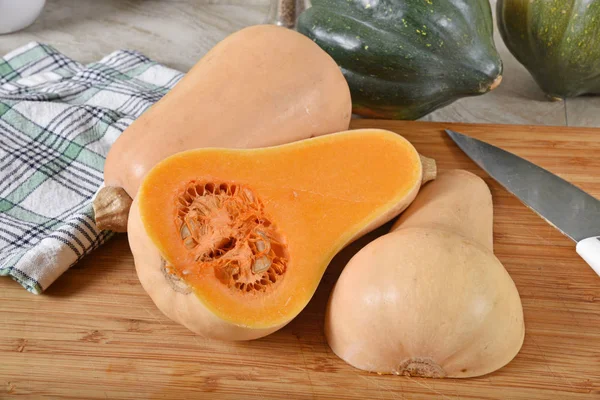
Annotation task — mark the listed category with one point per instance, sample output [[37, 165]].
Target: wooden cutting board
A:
[[96, 334]]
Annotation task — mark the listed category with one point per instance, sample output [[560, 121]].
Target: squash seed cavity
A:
[[225, 228]]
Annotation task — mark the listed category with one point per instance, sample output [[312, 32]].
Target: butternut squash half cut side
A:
[[232, 243]]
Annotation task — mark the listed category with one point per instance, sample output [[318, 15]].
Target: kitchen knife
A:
[[566, 207]]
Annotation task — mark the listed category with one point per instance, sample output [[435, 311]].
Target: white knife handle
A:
[[589, 250]]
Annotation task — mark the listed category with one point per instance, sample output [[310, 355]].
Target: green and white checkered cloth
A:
[[58, 118]]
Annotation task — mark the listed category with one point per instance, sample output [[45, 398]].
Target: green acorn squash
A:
[[405, 58], [557, 41]]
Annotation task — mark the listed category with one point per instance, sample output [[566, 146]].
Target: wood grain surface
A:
[[96, 334]]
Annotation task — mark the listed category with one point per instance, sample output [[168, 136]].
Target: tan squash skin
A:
[[261, 86], [429, 300], [471, 207], [317, 210]]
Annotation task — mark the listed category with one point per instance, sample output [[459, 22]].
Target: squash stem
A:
[[496, 82], [111, 209], [429, 169]]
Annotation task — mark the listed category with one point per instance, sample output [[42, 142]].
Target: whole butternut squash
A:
[[430, 298], [232, 243], [261, 86]]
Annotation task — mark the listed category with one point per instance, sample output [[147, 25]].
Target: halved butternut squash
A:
[[232, 243]]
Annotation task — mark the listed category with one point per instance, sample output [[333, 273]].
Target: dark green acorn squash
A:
[[557, 41], [405, 58]]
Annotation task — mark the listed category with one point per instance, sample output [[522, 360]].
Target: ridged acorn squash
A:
[[405, 58], [557, 41]]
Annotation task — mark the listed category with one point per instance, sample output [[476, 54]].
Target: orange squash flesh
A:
[[252, 231]]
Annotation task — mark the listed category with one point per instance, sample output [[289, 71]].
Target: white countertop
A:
[[178, 33]]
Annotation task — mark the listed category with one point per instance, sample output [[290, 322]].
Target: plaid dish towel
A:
[[58, 118]]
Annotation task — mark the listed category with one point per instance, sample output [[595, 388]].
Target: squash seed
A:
[[186, 236], [261, 265]]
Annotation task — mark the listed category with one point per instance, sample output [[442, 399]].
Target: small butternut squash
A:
[[232, 243], [430, 298], [261, 86]]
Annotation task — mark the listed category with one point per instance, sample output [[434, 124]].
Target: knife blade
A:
[[572, 211]]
